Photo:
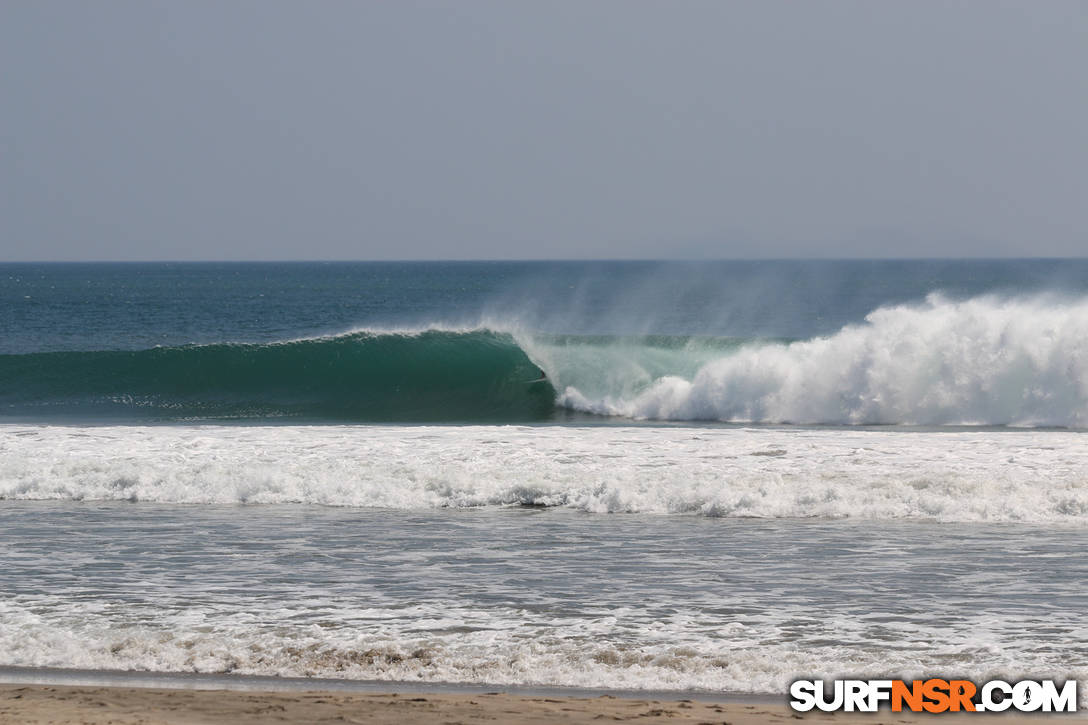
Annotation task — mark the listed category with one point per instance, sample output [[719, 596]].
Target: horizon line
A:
[[485, 260]]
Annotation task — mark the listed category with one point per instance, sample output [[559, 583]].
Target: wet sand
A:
[[98, 705]]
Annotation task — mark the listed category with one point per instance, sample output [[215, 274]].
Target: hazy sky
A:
[[266, 129]]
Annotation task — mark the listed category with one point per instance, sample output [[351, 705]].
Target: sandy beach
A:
[[65, 704]]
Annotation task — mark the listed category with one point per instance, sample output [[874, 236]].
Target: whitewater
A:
[[982, 361], [966, 476], [648, 476]]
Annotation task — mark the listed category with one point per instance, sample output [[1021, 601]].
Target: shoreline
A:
[[97, 697], [29, 704], [11, 676]]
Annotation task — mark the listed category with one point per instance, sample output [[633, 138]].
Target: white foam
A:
[[985, 360], [668, 655], [999, 476]]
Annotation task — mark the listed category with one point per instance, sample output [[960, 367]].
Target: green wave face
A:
[[428, 376]]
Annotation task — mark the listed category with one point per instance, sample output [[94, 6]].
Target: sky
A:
[[558, 129]]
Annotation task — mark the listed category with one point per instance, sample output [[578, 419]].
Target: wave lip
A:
[[982, 361]]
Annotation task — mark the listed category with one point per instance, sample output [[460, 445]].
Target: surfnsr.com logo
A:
[[933, 695]]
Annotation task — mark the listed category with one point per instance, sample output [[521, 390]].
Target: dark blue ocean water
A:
[[103, 306]]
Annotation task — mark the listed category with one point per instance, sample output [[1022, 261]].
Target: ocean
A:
[[712, 476]]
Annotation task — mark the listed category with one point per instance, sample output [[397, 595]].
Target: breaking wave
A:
[[981, 361]]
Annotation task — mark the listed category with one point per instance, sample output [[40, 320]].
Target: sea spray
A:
[[985, 361]]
